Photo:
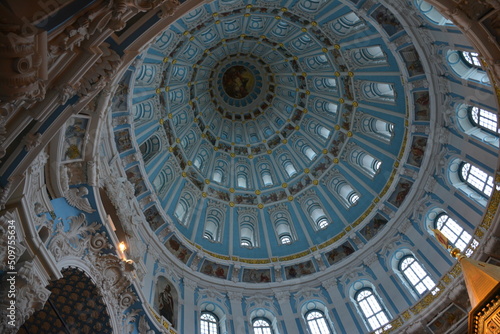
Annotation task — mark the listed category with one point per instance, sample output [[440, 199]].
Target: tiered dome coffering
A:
[[269, 132]]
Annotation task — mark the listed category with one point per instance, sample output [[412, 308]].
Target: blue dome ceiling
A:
[[268, 132]]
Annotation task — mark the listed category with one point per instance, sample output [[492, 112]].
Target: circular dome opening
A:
[[238, 81]]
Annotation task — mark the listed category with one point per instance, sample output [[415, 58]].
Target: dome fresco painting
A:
[[274, 131], [249, 166]]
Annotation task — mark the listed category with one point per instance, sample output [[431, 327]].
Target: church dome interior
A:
[[247, 166]]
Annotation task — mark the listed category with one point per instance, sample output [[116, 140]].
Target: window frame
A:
[[269, 326], [421, 280], [216, 322], [382, 310], [320, 329]]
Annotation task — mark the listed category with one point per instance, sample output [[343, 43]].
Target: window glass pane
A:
[[372, 309], [454, 232], [416, 275], [472, 58], [477, 179], [208, 324], [317, 323]]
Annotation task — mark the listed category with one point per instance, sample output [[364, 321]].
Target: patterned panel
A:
[[74, 306]]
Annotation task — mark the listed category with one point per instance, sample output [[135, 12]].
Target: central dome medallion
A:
[[238, 81]]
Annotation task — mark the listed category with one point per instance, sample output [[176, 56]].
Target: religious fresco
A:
[[214, 269], [220, 194], [74, 138], [134, 176], [258, 149], [167, 300], [373, 227], [412, 61], [238, 81], [321, 167], [402, 190], [245, 199], [337, 143], [417, 152], [299, 270], [339, 253], [273, 197], [446, 320], [387, 20], [178, 249], [123, 140], [422, 112], [154, 218], [300, 185], [256, 275]]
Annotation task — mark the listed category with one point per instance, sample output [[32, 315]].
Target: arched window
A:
[[209, 323], [431, 13], [316, 213], [484, 119], [377, 128], [213, 225], [476, 179], [219, 173], [479, 123], [371, 308], [143, 111], [282, 226], [343, 191], [415, 275], [242, 176], [184, 207], [466, 65], [378, 91], [164, 179], [316, 322], [248, 228], [262, 326], [201, 159], [287, 164], [456, 235], [346, 25], [306, 149], [364, 161], [149, 148], [317, 129], [471, 58], [368, 56], [265, 173]]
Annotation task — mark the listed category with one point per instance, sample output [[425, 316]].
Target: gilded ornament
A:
[[207, 181], [260, 206], [231, 204], [284, 185], [257, 192], [290, 198], [184, 174]]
